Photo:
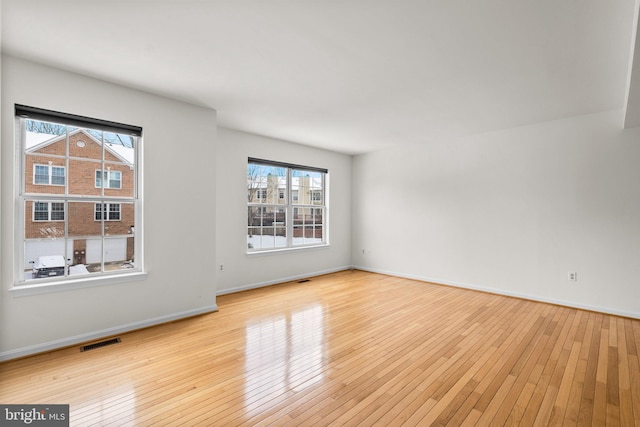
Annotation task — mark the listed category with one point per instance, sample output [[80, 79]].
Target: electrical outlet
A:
[[572, 276], [221, 267]]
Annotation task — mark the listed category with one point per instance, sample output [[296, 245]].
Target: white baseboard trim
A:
[[91, 336], [281, 280], [572, 304]]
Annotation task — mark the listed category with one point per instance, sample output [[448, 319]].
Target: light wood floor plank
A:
[[351, 348]]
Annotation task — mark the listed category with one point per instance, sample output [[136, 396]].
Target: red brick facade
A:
[[84, 160]]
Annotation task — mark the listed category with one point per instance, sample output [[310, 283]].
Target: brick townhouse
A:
[[50, 171]]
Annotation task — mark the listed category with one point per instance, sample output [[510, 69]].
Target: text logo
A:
[[34, 415]]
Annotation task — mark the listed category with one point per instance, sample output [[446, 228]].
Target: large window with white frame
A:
[[79, 201], [286, 205]]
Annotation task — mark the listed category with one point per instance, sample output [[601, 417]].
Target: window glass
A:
[[286, 206], [80, 199]]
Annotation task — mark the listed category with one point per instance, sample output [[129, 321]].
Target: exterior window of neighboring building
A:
[[78, 199], [108, 211], [112, 179], [286, 205], [48, 175], [48, 211]]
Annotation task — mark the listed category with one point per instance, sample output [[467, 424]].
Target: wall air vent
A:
[[99, 344]]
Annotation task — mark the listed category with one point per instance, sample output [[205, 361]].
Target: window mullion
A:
[[66, 202], [289, 214]]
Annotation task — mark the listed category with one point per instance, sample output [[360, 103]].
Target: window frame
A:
[[108, 180], [49, 211], [27, 286], [107, 210], [49, 174], [291, 205]]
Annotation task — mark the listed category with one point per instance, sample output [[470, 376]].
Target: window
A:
[[48, 175], [48, 211], [112, 179], [110, 211], [78, 196], [286, 205]]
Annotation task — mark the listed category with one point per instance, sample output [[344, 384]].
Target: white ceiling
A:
[[346, 75]]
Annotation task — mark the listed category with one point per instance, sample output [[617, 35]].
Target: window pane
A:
[[110, 212], [265, 182], [41, 175], [114, 180], [120, 161], [308, 185], [99, 208], [308, 227], [40, 211], [38, 131], [38, 174], [118, 180], [118, 253], [57, 211], [82, 221], [81, 181], [57, 175], [47, 259], [266, 227], [45, 138], [85, 144], [44, 244], [85, 231], [114, 212], [88, 174], [37, 224]]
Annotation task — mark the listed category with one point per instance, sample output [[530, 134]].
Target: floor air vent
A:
[[99, 344], [304, 280]]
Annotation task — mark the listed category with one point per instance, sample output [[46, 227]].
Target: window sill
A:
[[21, 290], [284, 250]]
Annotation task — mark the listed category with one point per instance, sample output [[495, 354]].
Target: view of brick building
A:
[[52, 171]]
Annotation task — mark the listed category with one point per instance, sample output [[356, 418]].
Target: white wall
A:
[[242, 271], [511, 212], [179, 158]]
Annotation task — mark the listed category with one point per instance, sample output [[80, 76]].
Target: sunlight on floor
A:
[[283, 355]]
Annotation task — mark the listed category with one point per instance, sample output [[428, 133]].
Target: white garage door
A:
[[114, 250]]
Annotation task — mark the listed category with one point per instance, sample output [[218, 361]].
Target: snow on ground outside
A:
[[266, 242]]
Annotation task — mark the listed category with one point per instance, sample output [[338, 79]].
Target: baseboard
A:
[[282, 280], [572, 304], [83, 338]]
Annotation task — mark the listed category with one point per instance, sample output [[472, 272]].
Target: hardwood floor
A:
[[351, 348]]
